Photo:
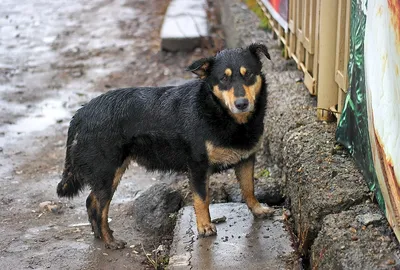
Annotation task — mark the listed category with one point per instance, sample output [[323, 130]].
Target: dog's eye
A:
[[225, 79], [248, 75]]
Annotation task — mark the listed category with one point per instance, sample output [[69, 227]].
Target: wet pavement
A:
[[242, 242], [54, 57]]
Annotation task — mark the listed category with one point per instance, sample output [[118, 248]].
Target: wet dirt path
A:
[[54, 57]]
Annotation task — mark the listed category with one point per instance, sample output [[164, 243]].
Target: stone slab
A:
[[242, 241], [185, 23]]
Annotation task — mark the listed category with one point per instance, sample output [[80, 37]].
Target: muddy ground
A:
[[56, 56]]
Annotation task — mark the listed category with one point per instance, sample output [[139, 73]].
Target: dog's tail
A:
[[71, 183]]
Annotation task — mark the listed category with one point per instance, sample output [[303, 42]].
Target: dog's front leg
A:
[[201, 200], [245, 174]]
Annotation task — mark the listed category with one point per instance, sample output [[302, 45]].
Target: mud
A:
[[56, 56]]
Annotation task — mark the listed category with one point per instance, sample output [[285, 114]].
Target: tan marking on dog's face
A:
[[228, 72], [253, 90], [241, 118], [228, 156], [228, 98], [119, 173], [243, 70]]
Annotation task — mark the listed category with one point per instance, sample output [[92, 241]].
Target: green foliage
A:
[[263, 173], [253, 6]]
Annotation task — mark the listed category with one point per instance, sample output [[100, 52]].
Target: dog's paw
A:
[[207, 230], [262, 212], [116, 244]]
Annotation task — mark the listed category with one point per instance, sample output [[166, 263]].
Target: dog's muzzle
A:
[[241, 105]]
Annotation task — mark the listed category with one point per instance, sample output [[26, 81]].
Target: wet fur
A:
[[161, 128]]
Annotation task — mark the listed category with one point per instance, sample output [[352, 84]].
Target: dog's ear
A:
[[257, 48], [201, 67]]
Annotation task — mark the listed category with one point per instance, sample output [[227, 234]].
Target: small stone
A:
[[43, 205], [367, 219], [354, 238], [219, 220], [390, 262], [53, 208], [342, 247], [105, 254]]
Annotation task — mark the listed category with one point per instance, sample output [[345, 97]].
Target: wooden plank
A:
[[340, 79], [309, 61], [310, 83], [327, 87]]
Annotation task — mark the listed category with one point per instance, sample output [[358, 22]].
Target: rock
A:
[[267, 190], [313, 192], [43, 205], [233, 192], [51, 207], [153, 210], [340, 247], [369, 218]]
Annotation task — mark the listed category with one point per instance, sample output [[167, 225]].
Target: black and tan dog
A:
[[201, 127]]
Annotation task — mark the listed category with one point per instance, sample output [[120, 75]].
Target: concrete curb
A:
[[185, 24]]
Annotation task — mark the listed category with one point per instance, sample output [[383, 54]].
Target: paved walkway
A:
[[242, 241]]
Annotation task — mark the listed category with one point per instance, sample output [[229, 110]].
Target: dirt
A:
[[56, 56]]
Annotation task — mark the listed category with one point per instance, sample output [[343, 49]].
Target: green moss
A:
[[253, 6], [263, 173]]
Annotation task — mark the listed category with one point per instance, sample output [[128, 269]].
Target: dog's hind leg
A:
[[93, 210], [245, 173], [201, 200], [98, 204]]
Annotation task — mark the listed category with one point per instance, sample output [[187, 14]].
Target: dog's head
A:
[[234, 76]]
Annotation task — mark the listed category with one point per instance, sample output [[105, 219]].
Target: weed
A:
[[253, 6]]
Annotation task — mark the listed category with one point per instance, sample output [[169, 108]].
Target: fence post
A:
[[327, 87]]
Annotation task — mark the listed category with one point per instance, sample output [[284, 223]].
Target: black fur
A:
[[161, 128]]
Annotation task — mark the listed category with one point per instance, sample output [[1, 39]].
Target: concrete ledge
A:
[[185, 23], [319, 181], [242, 241], [355, 239]]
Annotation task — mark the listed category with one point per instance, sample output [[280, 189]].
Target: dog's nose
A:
[[242, 103]]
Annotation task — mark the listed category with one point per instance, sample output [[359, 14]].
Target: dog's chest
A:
[[228, 156]]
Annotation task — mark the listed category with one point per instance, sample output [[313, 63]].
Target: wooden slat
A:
[[327, 87], [323, 72]]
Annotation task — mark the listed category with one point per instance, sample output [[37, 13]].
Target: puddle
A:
[[56, 110], [47, 113]]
